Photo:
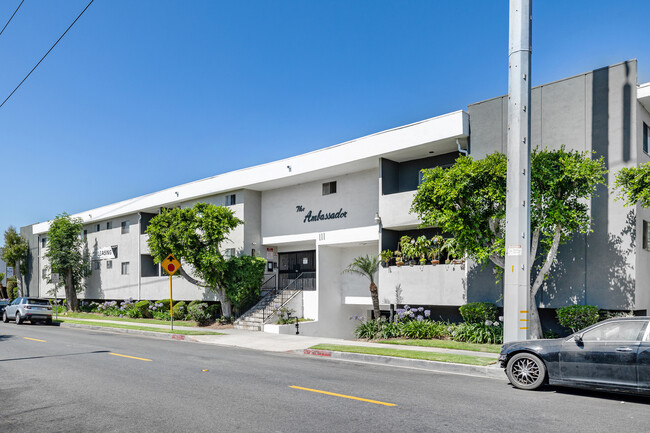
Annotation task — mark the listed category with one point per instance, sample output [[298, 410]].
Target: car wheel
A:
[[48, 321], [526, 371], [4, 317], [18, 319]]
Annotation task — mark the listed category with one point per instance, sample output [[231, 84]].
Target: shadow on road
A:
[[603, 395], [54, 356]]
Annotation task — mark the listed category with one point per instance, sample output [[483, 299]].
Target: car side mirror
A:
[[578, 338]]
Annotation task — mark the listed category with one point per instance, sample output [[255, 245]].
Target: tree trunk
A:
[[226, 305], [70, 293], [534, 324], [374, 294]]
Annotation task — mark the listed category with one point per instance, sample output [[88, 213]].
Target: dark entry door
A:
[[293, 264]]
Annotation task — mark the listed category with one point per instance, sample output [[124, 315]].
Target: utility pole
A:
[[517, 255]]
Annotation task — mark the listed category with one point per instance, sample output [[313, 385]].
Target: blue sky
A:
[[144, 95]]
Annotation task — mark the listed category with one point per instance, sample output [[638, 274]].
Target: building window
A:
[[96, 265], [43, 242], [109, 225], [125, 268], [229, 252], [85, 234], [109, 264], [44, 274], [646, 235], [646, 132], [125, 227], [231, 199], [98, 227], [329, 188]]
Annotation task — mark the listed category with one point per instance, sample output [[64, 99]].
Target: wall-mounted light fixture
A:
[[289, 168], [377, 218]]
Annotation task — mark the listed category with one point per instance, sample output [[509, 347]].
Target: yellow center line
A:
[[33, 339], [343, 396], [127, 356]]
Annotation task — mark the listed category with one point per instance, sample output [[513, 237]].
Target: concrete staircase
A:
[[253, 319]]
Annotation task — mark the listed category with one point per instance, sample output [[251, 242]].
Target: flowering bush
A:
[[109, 308]]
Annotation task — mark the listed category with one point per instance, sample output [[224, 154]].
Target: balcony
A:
[[394, 210]]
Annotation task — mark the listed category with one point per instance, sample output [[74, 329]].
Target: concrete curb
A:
[[491, 372], [161, 335]]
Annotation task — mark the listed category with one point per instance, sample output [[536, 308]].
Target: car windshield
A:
[[38, 302]]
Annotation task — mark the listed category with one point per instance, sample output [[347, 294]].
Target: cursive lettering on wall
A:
[[322, 216]]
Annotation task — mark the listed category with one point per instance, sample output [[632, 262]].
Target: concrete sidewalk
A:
[[300, 344]]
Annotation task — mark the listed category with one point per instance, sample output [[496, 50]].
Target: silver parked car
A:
[[34, 310]]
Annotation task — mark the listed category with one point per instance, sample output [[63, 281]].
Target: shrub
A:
[[577, 317], [367, 330], [214, 311], [165, 304], [12, 288], [143, 308], [610, 314], [199, 313], [479, 333], [180, 310], [479, 312], [109, 308], [389, 330], [161, 315]]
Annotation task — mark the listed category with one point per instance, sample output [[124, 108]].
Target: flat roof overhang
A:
[[643, 95], [404, 143]]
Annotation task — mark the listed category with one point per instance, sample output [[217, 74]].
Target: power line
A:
[[12, 17], [48, 52]]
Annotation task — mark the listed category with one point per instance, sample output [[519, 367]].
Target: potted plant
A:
[[398, 258], [407, 246], [437, 244], [386, 257], [422, 245]]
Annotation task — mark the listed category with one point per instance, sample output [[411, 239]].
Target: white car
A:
[[34, 310]]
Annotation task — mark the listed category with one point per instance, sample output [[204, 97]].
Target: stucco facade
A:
[[320, 210]]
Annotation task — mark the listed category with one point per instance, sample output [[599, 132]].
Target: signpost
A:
[[171, 265]]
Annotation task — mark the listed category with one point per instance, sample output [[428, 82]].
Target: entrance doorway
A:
[[294, 264]]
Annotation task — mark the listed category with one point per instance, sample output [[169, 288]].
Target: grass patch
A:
[[139, 328], [96, 316], [411, 354], [445, 344]]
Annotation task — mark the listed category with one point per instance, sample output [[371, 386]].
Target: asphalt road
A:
[[73, 380]]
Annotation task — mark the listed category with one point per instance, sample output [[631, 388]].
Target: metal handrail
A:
[[288, 291]]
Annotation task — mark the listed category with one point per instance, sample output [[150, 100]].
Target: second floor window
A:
[[125, 227], [329, 188], [231, 199]]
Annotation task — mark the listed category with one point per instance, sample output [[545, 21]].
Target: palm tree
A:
[[367, 266]]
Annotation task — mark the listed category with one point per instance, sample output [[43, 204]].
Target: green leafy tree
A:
[[468, 202], [14, 253], [67, 255], [367, 266], [633, 185], [242, 280], [194, 236]]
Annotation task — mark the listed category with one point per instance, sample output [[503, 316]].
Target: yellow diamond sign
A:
[[171, 265]]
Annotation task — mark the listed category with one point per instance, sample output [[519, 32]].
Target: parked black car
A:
[[612, 355], [3, 304]]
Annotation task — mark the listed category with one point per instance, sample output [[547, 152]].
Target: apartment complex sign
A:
[[312, 216], [105, 253]]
